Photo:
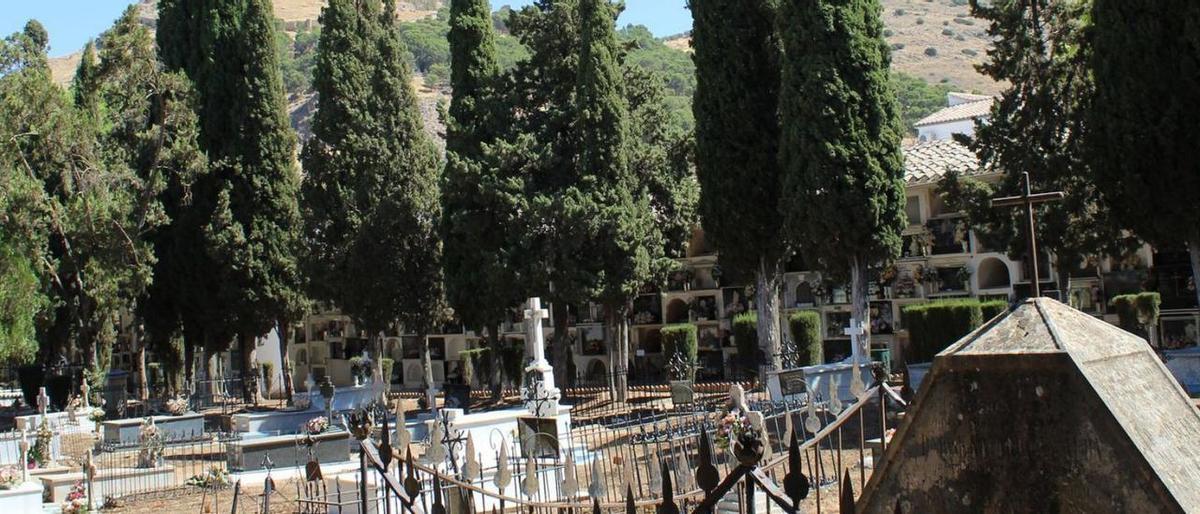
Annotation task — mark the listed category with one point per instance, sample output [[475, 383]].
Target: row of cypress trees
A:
[[798, 142]]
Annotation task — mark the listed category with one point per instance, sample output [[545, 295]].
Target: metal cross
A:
[[1028, 200]]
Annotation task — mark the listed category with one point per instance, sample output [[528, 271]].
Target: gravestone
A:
[[541, 395], [1043, 409]]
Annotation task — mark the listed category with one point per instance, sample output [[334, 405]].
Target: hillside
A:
[[935, 46], [913, 27]]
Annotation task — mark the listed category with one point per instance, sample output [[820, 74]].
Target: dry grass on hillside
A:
[[957, 40]]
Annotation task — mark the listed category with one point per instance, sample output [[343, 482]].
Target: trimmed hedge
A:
[[745, 336], [680, 338], [936, 325], [806, 334], [1137, 311], [992, 308]]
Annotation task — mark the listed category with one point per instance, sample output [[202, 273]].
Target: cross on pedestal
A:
[[541, 372], [855, 331], [1028, 199]]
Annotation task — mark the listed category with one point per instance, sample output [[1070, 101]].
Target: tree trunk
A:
[[618, 353], [285, 362], [560, 346], [495, 381], [768, 278], [859, 309], [427, 372], [139, 362], [246, 346], [189, 366], [1194, 253], [621, 378]]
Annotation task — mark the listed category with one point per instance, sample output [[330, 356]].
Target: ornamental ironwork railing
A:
[[804, 456]]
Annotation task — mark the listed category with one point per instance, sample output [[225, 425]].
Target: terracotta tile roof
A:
[[927, 162], [963, 111], [958, 97]]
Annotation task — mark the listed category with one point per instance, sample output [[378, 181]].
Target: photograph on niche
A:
[[882, 318]]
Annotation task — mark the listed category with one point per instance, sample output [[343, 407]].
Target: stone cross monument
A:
[[543, 398], [856, 332]]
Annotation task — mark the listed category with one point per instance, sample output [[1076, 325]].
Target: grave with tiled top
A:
[[1044, 409]]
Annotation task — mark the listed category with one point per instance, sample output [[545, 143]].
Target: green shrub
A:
[[680, 338], [920, 21], [931, 52], [947, 32], [806, 334], [969, 52], [897, 46], [992, 308], [964, 21], [935, 325], [745, 335]]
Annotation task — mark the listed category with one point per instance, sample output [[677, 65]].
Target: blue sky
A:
[[72, 22]]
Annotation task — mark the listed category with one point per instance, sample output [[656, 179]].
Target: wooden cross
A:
[[1028, 200]]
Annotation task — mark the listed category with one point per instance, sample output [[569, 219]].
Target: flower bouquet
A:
[[213, 477], [316, 425], [177, 406], [730, 427], [10, 477], [77, 501]]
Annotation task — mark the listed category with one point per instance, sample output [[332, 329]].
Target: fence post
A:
[[362, 483]]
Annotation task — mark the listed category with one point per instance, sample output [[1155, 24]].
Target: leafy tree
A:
[[1039, 125], [843, 169], [248, 274], [478, 210], [370, 196], [74, 220], [737, 56], [150, 127], [1144, 130], [918, 98]]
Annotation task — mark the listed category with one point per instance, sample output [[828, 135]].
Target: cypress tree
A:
[[1145, 61], [539, 145], [736, 107], [840, 146], [478, 211], [371, 196], [622, 229], [247, 277]]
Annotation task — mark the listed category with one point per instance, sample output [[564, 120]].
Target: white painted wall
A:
[[942, 131]]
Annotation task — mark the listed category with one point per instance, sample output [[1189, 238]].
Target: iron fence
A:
[[675, 461]]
